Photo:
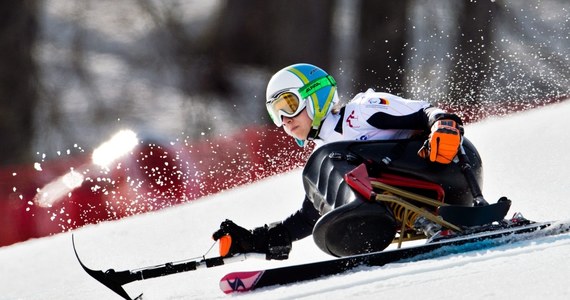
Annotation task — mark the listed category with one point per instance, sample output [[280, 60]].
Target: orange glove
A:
[[443, 142]]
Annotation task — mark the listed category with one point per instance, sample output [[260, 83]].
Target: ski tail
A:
[[240, 281]]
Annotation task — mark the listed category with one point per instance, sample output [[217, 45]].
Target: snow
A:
[[525, 158]]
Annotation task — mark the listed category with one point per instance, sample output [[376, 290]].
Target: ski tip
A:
[[240, 281], [75, 251]]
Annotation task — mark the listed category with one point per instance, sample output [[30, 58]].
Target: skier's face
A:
[[298, 126]]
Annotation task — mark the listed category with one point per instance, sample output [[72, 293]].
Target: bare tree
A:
[[274, 33], [18, 79], [472, 58], [381, 45]]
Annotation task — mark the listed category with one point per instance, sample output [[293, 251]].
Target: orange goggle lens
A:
[[285, 104]]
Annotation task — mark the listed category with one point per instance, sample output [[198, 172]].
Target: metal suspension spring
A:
[[402, 214]]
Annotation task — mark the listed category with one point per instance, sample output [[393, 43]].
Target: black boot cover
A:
[[355, 228]]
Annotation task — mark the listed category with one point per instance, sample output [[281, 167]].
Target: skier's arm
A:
[[445, 130], [301, 223], [274, 239], [422, 119]]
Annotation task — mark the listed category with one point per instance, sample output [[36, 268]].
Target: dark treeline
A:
[[18, 79], [384, 46]]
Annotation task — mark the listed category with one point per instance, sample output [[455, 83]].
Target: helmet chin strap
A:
[[313, 133]]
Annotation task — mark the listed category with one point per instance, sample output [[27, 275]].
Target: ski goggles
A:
[[291, 102], [286, 103]]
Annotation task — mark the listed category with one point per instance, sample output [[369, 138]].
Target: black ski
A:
[[495, 235]]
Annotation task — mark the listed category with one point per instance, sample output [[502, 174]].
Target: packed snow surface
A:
[[525, 158]]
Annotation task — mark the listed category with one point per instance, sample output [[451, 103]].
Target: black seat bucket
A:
[[352, 225]]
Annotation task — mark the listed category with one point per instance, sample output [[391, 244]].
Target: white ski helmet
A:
[[301, 86]]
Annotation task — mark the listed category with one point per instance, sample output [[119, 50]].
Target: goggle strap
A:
[[313, 133]]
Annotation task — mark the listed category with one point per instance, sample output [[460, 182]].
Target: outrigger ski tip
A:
[[115, 280], [108, 278]]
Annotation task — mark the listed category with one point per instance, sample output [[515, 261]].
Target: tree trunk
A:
[[274, 33], [18, 80], [381, 45], [472, 59]]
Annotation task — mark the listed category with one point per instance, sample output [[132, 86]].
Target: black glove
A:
[[273, 240]]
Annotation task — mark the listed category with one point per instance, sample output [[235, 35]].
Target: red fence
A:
[[152, 176]]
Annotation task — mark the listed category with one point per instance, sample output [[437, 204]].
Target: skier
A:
[[303, 99]]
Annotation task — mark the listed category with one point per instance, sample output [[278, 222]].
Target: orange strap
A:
[[225, 245]]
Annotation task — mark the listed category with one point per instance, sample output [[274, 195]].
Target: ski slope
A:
[[525, 158]]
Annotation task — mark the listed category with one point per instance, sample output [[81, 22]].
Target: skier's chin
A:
[[295, 132], [299, 137]]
